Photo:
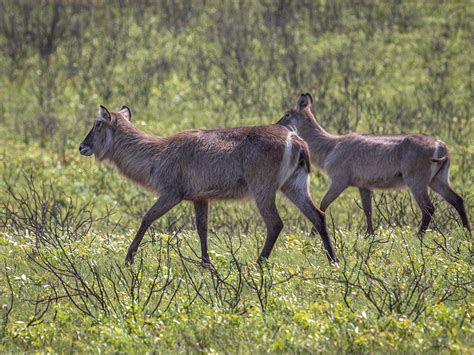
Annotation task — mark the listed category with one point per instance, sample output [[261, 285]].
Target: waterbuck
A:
[[371, 162], [204, 165]]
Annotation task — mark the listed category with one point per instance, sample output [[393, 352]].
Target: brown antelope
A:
[[371, 162], [204, 165]]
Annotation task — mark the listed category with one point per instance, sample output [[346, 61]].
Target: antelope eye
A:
[[287, 115], [98, 124]]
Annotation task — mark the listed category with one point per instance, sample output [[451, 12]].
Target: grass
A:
[[66, 221]]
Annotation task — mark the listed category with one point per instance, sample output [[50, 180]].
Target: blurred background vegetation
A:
[[378, 66], [375, 66]]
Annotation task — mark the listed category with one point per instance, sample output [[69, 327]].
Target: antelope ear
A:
[[126, 112], [302, 103], [104, 113], [310, 99]]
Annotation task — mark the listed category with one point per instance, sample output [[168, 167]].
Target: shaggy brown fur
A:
[[204, 165], [371, 162]]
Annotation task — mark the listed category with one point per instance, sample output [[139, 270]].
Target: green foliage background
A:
[[372, 66]]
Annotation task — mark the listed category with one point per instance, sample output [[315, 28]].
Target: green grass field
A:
[[66, 221]]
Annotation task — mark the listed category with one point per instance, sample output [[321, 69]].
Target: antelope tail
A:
[[439, 149], [305, 157], [439, 160]]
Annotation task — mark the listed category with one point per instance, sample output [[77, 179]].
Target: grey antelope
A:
[[371, 162], [204, 165]]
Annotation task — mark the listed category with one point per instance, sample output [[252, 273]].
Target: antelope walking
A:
[[204, 165], [371, 162]]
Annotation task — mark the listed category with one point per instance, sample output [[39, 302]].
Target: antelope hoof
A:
[[206, 264], [368, 234], [262, 261], [129, 258], [421, 233]]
